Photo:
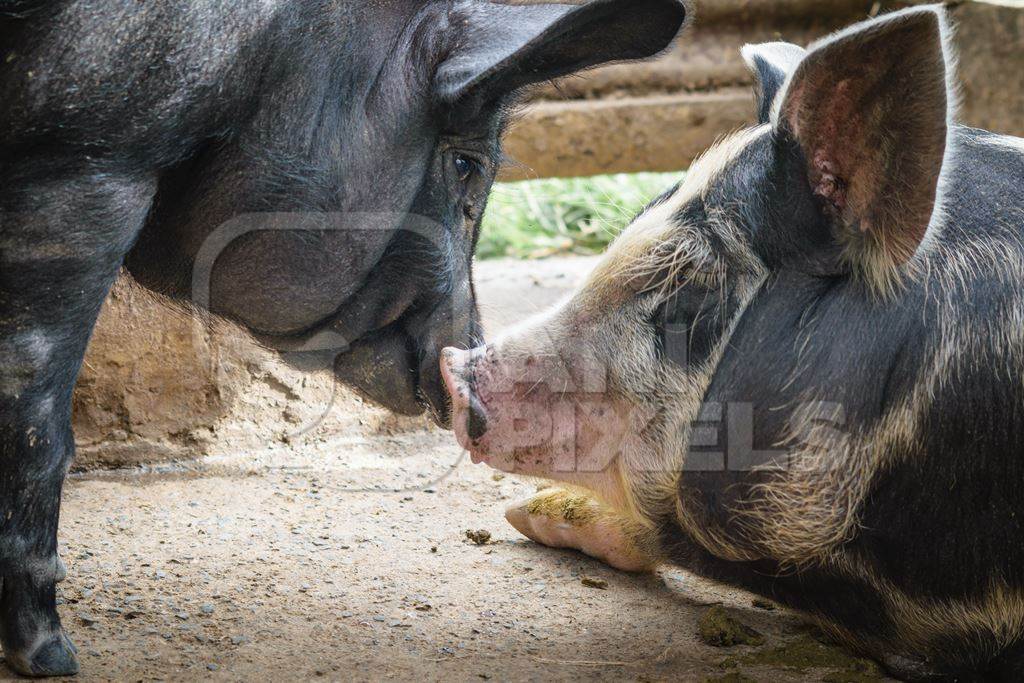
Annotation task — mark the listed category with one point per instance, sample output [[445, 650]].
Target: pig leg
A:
[[61, 244], [571, 518]]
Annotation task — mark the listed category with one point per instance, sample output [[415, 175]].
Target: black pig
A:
[[313, 170]]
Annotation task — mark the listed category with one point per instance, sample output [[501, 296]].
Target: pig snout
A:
[[504, 414], [469, 417]]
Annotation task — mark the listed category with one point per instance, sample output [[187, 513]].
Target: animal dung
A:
[[479, 536], [718, 628]]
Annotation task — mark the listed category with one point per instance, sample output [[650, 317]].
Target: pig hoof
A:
[[559, 518], [61, 572], [57, 656]]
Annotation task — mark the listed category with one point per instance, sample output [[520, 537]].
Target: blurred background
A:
[[658, 116]]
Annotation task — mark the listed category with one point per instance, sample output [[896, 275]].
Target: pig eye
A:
[[465, 167], [690, 323]]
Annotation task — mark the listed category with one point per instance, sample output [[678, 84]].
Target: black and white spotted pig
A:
[[801, 371]]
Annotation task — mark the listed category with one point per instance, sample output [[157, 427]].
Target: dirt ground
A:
[[341, 554]]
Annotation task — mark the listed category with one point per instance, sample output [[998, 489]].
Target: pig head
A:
[[336, 213]]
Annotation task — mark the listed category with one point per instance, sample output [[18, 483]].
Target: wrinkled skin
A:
[[313, 171]]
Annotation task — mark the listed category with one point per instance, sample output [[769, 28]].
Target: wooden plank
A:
[[660, 133]]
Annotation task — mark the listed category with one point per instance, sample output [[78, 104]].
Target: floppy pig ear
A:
[[771, 63], [869, 109], [501, 48]]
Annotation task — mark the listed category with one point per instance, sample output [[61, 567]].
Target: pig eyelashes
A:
[[707, 277]]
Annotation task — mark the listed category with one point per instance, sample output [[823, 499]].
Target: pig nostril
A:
[[459, 377], [476, 425]]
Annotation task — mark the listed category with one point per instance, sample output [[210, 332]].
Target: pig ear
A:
[[501, 48], [771, 63], [870, 108]]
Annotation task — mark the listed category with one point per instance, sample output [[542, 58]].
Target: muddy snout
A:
[[469, 417]]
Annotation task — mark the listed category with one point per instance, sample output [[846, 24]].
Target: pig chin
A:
[[379, 370], [530, 461], [535, 432], [493, 436], [473, 429], [510, 442]]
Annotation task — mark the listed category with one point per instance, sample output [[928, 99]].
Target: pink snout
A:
[[504, 413], [469, 417]]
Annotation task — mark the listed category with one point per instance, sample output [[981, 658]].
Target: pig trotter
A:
[[34, 642], [571, 518], [48, 307]]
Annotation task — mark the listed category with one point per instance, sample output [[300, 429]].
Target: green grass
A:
[[539, 218]]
